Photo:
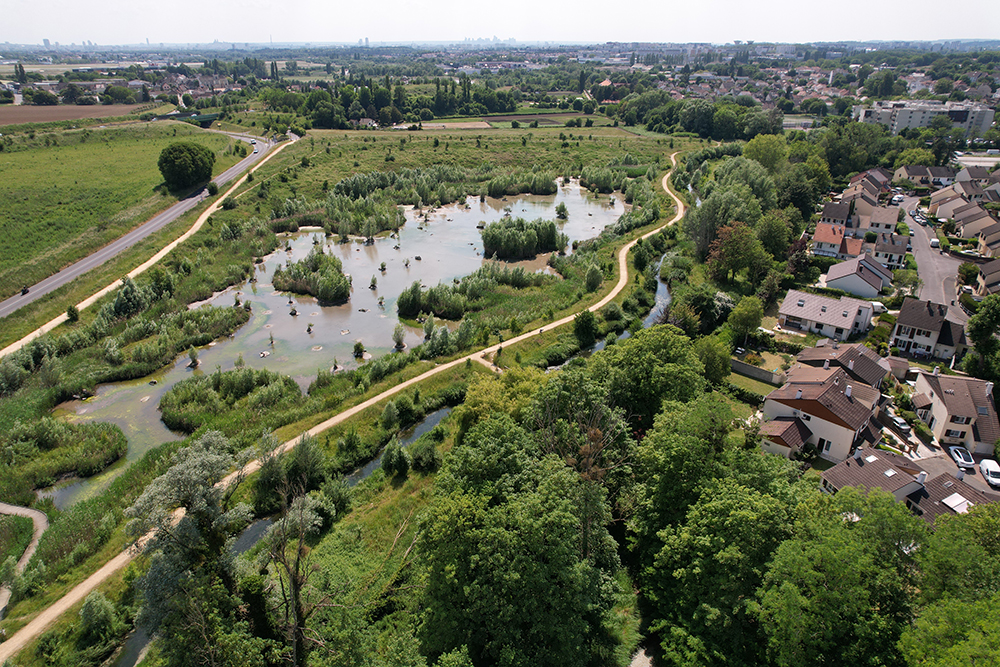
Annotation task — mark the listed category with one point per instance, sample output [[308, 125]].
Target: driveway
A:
[[937, 272], [943, 463]]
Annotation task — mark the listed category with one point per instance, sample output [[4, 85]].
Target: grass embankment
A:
[[65, 194], [15, 534]]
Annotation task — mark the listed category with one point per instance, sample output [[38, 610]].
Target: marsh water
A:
[[449, 246]]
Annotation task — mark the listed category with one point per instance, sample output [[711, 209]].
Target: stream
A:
[[449, 246]]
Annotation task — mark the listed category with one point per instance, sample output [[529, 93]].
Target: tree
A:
[[399, 336], [983, 325], [746, 317], [968, 272], [770, 150], [915, 156], [594, 278], [839, 591], [585, 328], [743, 171], [184, 164], [561, 211], [714, 356], [735, 203], [773, 232], [737, 248]]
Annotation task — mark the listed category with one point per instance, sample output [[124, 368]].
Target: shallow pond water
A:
[[449, 245]]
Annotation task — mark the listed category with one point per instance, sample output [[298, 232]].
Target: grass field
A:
[[15, 533], [65, 194], [26, 113], [761, 388]]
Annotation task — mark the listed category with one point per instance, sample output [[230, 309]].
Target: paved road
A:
[[41, 524], [46, 617], [151, 226], [937, 272]]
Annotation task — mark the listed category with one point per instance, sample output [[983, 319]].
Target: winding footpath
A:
[[49, 615], [41, 524]]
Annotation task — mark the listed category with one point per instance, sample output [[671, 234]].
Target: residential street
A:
[[149, 227], [937, 272]]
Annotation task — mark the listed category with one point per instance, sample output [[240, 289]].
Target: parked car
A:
[[991, 471], [962, 457], [911, 232], [913, 213], [935, 243], [901, 425]]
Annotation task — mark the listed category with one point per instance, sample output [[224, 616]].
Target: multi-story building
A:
[[899, 115]]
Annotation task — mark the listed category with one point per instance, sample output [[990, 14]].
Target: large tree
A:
[[185, 163]]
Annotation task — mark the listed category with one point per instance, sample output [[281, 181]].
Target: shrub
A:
[[425, 455], [395, 460]]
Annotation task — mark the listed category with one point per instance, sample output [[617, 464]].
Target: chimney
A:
[[826, 364], [922, 477], [857, 454], [989, 389], [847, 392], [850, 365], [961, 475], [937, 370], [798, 394]]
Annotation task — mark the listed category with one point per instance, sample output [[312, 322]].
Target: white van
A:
[[878, 307], [935, 243]]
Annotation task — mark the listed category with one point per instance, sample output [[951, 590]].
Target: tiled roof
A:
[[827, 233], [952, 334], [836, 211], [945, 494], [828, 389], [891, 244], [989, 269], [921, 401], [921, 314], [857, 359], [873, 469], [851, 247], [968, 397], [789, 431], [823, 309], [883, 215]]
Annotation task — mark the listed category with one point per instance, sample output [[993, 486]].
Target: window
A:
[[959, 420], [954, 434]]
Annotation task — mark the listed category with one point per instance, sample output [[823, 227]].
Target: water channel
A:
[[449, 246]]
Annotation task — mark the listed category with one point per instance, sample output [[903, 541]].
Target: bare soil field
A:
[[25, 113], [558, 118]]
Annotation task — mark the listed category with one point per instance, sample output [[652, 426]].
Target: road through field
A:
[[48, 326], [48, 616], [151, 226]]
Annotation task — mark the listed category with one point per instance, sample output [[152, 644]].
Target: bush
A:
[[425, 455], [395, 460], [73, 314], [744, 395]]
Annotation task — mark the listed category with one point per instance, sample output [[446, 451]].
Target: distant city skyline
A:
[[117, 22]]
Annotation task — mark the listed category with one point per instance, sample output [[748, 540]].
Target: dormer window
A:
[[801, 303], [823, 309]]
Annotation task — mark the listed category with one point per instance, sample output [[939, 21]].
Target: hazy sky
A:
[[719, 21]]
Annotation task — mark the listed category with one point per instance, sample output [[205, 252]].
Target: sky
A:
[[107, 22]]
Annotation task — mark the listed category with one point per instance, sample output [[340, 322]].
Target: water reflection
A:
[[449, 246]]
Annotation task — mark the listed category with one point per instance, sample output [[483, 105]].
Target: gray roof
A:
[[868, 469], [826, 391], [968, 397], [883, 215], [836, 211], [989, 269], [922, 314], [945, 494], [823, 309], [891, 244]]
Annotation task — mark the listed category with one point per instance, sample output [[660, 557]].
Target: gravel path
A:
[[41, 523]]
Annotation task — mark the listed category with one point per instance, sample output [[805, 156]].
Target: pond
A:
[[449, 246]]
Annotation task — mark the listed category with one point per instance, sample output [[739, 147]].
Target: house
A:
[[971, 190], [989, 241], [836, 214], [924, 329], [941, 177], [988, 281], [861, 199], [972, 220], [890, 251], [860, 362], [928, 497], [833, 318], [826, 239], [884, 219], [862, 276], [974, 174], [959, 410], [836, 414], [948, 209], [917, 174]]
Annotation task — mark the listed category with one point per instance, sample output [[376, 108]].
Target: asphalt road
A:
[[121, 244], [937, 272]]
